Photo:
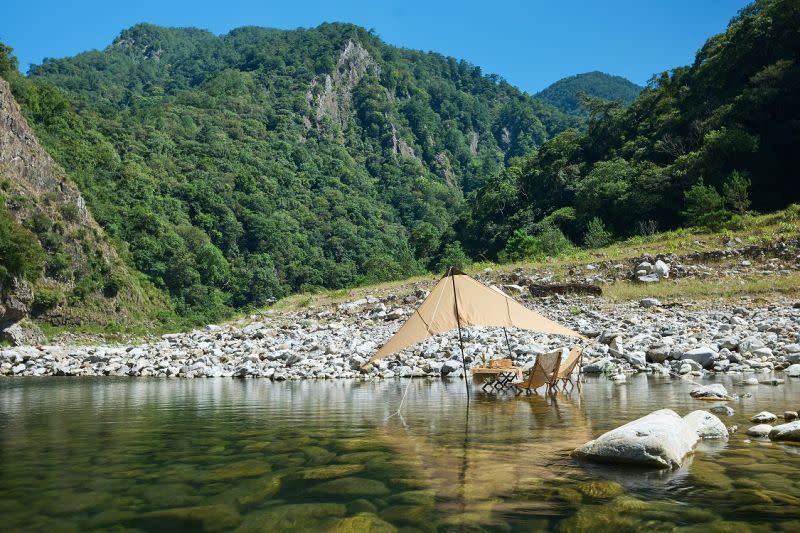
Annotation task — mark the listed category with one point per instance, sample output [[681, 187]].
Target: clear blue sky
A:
[[531, 44]]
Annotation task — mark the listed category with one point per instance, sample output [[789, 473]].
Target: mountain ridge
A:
[[563, 93]]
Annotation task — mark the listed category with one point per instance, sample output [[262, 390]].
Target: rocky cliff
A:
[[40, 197]]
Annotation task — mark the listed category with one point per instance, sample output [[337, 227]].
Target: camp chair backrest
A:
[[500, 363], [544, 370], [568, 365]]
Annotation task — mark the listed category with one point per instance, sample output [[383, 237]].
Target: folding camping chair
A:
[[543, 373], [567, 367]]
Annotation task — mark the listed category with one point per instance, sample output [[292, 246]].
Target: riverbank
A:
[[743, 334]]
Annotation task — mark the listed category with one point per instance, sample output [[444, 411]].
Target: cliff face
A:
[[39, 196]]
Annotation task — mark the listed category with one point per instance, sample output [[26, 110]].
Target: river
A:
[[109, 454]]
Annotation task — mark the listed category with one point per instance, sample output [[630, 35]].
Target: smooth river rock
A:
[[761, 430], [661, 439], [786, 432], [706, 425], [714, 391], [763, 417]]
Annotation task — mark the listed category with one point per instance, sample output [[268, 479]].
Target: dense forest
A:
[[235, 169], [565, 94], [701, 145]]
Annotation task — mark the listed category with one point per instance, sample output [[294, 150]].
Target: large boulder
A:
[[793, 370], [706, 425], [750, 345], [23, 333], [704, 355], [15, 300], [786, 432], [658, 353], [661, 439], [661, 269], [715, 391]]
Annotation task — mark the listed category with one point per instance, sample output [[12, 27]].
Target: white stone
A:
[[661, 439], [786, 432], [706, 425], [761, 430], [715, 390], [764, 416]]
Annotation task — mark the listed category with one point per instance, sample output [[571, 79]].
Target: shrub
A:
[[735, 191], [44, 299], [550, 241], [705, 207], [453, 255], [20, 251], [596, 235]]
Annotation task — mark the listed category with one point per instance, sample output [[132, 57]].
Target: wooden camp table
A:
[[497, 379]]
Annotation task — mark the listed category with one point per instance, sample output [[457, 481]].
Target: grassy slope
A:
[[753, 230]]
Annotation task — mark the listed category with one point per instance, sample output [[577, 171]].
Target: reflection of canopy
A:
[[459, 300]]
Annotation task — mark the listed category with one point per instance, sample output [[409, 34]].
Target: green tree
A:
[[704, 207], [453, 255], [736, 192], [20, 251], [8, 63], [596, 235]]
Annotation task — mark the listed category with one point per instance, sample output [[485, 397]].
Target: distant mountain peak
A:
[[563, 93]]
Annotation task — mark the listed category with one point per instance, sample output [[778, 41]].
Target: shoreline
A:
[[332, 342]]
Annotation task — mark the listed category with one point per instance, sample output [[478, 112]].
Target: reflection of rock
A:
[[635, 478], [661, 440]]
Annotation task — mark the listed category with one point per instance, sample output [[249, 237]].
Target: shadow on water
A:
[[251, 455]]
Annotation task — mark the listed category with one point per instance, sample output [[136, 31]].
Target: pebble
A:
[[336, 341]]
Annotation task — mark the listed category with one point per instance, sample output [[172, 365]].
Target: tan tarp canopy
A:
[[461, 300]]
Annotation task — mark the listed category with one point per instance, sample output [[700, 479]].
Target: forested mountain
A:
[[563, 94], [699, 143], [234, 169]]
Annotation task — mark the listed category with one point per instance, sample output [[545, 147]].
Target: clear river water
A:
[[106, 454]]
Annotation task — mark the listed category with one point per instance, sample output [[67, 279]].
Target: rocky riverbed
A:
[[748, 337]]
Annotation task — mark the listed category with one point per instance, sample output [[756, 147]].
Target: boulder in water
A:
[[715, 391], [706, 425], [786, 432], [661, 439]]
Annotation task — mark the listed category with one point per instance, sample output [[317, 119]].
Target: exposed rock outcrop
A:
[[331, 95], [36, 189]]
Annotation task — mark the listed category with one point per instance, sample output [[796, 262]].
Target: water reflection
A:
[[223, 454]]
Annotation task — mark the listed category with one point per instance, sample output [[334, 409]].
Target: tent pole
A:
[[460, 338], [508, 344]]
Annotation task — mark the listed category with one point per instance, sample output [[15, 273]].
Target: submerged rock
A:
[[201, 518], [363, 523], [351, 486], [332, 471], [661, 439], [786, 432], [602, 489]]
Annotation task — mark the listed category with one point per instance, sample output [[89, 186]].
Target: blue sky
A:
[[531, 44]]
